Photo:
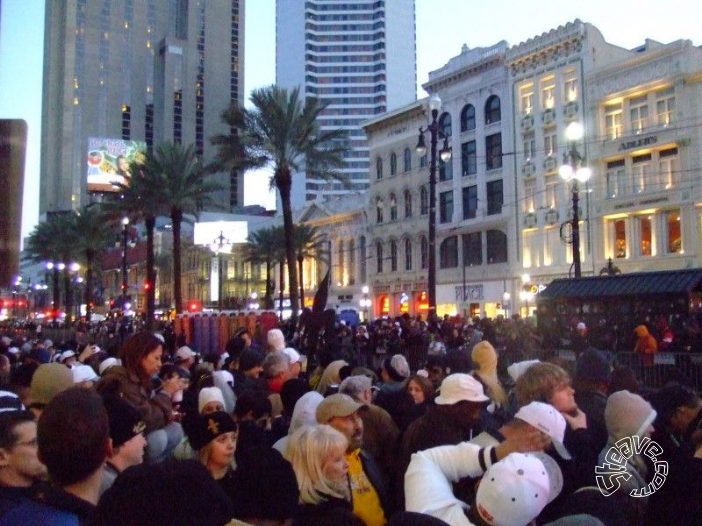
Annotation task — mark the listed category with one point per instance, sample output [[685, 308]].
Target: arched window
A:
[[393, 256], [423, 201], [408, 254], [445, 124], [407, 160], [493, 113], [340, 263], [424, 252], [379, 210], [379, 257], [393, 163], [393, 207], [363, 256], [423, 161], [496, 246], [408, 204], [448, 252], [378, 168], [468, 118]]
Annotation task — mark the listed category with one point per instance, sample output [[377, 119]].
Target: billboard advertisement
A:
[[108, 162]]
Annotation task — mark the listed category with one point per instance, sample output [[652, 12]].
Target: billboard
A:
[[108, 162]]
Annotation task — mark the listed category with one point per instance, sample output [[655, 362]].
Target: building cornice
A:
[[468, 64]]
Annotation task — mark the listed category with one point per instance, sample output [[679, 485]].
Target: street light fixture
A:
[[434, 131], [365, 302], [221, 244], [573, 170], [125, 280]]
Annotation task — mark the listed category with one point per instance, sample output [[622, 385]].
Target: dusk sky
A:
[[443, 26]]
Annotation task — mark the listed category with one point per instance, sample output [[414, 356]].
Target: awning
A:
[[634, 284]]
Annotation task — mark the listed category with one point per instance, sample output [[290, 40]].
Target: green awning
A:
[[634, 284]]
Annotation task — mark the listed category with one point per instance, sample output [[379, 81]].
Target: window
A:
[[613, 121], [494, 197], [616, 178], [423, 201], [570, 87], [638, 113], [393, 207], [529, 204], [340, 265], [548, 94], [424, 252], [620, 239], [493, 112], [673, 232], [493, 151], [445, 125], [379, 211], [527, 101], [446, 207], [470, 202], [448, 252], [408, 254], [393, 256], [472, 249], [407, 164], [496, 247], [529, 146], [423, 161], [363, 257], [408, 204], [550, 144], [445, 170], [665, 106], [551, 192], [641, 168], [352, 262], [393, 163], [468, 118], [668, 168], [646, 236], [379, 257], [378, 168], [469, 158]]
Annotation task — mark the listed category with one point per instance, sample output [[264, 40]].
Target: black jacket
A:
[[331, 512]]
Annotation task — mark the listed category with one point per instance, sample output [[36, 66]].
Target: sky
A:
[[443, 26]]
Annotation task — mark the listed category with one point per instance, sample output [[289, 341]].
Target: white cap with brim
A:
[[83, 373], [459, 387], [548, 420]]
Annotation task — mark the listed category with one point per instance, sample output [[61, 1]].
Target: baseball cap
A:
[[65, 355], [293, 355], [460, 387], [516, 489], [10, 402], [517, 369], [184, 353], [107, 363], [336, 405], [48, 380], [83, 373], [548, 420]]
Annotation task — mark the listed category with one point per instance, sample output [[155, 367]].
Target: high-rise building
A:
[[361, 57], [136, 70]]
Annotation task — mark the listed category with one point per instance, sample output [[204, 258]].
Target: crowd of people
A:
[[403, 422]]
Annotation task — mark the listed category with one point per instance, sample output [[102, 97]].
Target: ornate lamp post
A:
[[434, 132], [365, 302], [125, 278], [573, 170], [221, 244]]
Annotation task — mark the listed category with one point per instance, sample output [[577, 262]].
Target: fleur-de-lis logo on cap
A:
[[212, 426]]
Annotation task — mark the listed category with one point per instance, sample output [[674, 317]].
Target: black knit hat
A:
[[249, 359], [208, 427], [125, 421]]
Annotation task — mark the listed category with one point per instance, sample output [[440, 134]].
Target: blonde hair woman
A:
[[317, 454], [214, 436]]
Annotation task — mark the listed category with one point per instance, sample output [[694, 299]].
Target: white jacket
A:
[[430, 474]]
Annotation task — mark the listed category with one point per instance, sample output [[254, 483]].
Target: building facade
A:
[[137, 70], [358, 56]]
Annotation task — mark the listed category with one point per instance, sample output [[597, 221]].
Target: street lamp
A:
[[505, 302], [573, 170], [125, 279], [221, 244], [365, 302], [434, 131]]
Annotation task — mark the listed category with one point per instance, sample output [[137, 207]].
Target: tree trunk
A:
[[284, 183], [280, 288], [68, 291], [302, 287], [176, 220], [150, 274], [89, 258], [268, 298]]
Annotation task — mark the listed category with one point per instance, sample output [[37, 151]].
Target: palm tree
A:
[[183, 189], [308, 244], [263, 246], [281, 132], [93, 233]]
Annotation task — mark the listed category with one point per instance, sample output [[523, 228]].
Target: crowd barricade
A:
[[666, 366]]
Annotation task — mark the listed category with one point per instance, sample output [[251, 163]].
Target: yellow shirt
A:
[[366, 502]]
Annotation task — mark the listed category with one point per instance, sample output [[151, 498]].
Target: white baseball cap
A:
[[83, 373], [548, 420], [460, 387], [184, 353], [293, 355]]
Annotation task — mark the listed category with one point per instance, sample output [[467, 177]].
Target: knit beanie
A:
[[209, 427], [125, 421], [485, 356], [48, 380], [249, 359], [276, 340], [207, 395], [627, 414]]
